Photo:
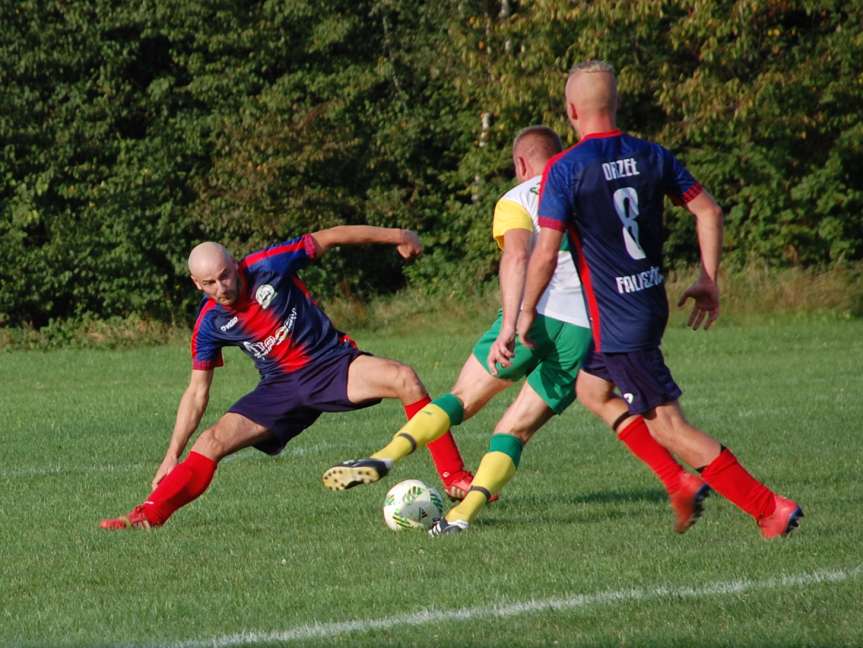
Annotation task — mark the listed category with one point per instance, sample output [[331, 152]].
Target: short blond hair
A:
[[545, 141], [594, 65]]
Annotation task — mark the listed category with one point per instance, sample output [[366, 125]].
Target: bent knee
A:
[[521, 424], [408, 384], [591, 402], [211, 444]]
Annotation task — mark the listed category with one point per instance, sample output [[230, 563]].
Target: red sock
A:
[[444, 451], [734, 483], [641, 443], [179, 487]]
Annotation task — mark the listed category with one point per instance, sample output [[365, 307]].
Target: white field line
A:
[[509, 609], [243, 455]]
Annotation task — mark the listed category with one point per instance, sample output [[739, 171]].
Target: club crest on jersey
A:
[[264, 295]]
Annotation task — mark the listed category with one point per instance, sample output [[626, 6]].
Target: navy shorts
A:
[[287, 405], [641, 376]]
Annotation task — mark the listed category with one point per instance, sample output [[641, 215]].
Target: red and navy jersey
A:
[[275, 321], [607, 192]]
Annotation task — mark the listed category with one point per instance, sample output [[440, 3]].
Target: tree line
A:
[[131, 131]]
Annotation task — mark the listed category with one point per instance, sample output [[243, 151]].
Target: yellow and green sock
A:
[[496, 468], [428, 424]]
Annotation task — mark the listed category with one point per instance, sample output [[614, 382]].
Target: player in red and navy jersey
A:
[[606, 192], [306, 365]]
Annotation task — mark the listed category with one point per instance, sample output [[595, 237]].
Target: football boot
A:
[[355, 472]]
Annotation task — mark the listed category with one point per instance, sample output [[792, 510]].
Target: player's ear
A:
[[196, 282], [573, 113], [521, 167]]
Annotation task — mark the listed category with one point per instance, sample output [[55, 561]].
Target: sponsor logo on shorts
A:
[[264, 295], [231, 323], [262, 349], [628, 398]]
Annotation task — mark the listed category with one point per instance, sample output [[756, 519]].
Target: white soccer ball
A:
[[412, 504]]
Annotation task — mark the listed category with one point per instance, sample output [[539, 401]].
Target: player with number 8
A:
[[607, 180]]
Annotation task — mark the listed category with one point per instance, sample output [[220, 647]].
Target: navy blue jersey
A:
[[607, 193], [274, 321]]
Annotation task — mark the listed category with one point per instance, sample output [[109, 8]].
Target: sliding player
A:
[[307, 366]]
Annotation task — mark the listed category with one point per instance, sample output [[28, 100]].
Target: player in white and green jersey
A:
[[561, 337]]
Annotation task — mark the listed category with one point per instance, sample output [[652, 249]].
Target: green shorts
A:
[[550, 367]]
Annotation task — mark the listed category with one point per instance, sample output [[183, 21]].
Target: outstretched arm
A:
[[540, 268], [407, 242], [705, 290], [513, 266], [192, 406]]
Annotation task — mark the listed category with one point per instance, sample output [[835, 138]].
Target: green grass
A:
[[268, 550]]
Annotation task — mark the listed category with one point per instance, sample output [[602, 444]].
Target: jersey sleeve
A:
[[680, 186], [206, 349], [288, 257], [555, 197], [509, 215]]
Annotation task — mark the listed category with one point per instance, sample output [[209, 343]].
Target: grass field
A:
[[579, 551]]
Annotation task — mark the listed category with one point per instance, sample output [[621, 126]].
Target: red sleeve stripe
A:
[[692, 192], [311, 246], [210, 305], [293, 246], [205, 365], [551, 223]]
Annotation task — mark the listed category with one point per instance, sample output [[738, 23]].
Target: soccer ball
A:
[[411, 504]]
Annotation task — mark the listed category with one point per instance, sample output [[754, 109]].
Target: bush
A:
[[133, 131]]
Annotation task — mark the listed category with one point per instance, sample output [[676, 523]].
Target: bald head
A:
[[532, 148], [206, 256], [214, 271], [591, 97]]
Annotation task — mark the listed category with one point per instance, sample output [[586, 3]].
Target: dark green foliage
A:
[[131, 131]]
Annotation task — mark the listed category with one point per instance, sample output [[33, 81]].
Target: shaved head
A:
[[591, 95], [532, 148], [207, 255], [538, 143], [215, 272]]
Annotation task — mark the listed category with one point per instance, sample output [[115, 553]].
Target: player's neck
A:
[[602, 123]]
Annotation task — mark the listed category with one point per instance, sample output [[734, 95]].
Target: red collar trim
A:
[[612, 133]]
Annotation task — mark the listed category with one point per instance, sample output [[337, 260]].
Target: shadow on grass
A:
[[587, 508], [597, 497]]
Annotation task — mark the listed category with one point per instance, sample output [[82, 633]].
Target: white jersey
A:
[[562, 299]]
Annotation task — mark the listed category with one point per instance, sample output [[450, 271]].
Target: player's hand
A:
[[168, 464], [410, 247], [502, 350], [705, 294], [525, 321]]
